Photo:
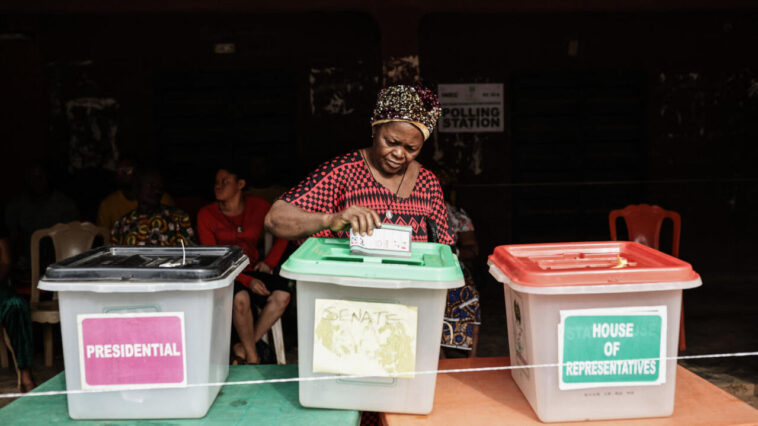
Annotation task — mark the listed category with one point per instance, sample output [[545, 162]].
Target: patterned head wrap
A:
[[413, 104]]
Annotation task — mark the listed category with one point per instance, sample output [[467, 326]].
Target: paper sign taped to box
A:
[[603, 347], [132, 350], [364, 338]]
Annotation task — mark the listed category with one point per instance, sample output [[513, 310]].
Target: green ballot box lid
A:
[[430, 265]]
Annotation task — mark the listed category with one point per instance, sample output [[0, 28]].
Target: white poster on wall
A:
[[471, 108]]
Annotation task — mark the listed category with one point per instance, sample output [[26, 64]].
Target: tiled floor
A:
[[720, 318]]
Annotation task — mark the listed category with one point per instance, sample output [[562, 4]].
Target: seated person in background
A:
[[462, 312], [237, 219], [39, 207], [152, 223], [15, 318], [122, 201], [261, 182]]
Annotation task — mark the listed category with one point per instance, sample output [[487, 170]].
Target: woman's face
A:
[[227, 185], [396, 145]]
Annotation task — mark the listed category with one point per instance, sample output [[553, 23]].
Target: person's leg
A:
[[27, 382], [242, 318], [474, 340], [17, 335], [24, 373], [275, 305]]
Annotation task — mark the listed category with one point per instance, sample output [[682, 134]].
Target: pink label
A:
[[131, 349]]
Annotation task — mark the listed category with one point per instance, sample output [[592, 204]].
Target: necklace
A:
[[388, 214], [232, 223]]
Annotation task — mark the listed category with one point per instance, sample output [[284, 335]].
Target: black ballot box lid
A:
[[148, 264]]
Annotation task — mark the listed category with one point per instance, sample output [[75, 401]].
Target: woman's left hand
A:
[[262, 267]]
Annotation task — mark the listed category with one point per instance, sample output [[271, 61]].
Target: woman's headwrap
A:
[[413, 104]]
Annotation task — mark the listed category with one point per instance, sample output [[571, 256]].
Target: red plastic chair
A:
[[644, 224]]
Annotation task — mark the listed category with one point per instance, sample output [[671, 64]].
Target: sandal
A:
[[238, 360], [25, 386]]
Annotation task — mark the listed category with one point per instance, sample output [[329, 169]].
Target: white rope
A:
[[343, 377]]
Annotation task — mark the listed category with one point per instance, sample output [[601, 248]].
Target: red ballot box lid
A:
[[588, 263]]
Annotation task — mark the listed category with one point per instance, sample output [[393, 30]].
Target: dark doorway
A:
[[579, 151], [207, 119]]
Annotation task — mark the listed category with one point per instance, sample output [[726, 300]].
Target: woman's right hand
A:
[[363, 220], [262, 267]]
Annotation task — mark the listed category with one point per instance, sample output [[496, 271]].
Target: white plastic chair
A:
[[69, 239], [276, 330]]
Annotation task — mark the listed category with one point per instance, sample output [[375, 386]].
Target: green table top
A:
[[270, 403]]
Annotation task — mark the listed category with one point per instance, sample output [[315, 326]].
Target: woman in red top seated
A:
[[236, 219]]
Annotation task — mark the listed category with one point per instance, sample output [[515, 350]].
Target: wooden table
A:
[[493, 398], [266, 404]]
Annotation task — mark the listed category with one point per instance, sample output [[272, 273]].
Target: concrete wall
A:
[[697, 112]]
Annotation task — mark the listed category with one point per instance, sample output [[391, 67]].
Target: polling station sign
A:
[[612, 347], [471, 108]]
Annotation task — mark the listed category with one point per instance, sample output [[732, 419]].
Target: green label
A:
[[612, 347]]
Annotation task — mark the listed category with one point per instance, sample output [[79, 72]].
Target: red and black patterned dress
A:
[[346, 181]]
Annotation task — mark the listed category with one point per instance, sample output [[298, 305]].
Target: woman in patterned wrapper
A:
[[382, 183]]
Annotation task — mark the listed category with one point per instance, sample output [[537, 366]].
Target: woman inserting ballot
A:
[[381, 183]]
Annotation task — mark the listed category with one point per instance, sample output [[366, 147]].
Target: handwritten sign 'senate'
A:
[[364, 338]]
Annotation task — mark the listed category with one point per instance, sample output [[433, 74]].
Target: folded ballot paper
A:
[[387, 241]]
